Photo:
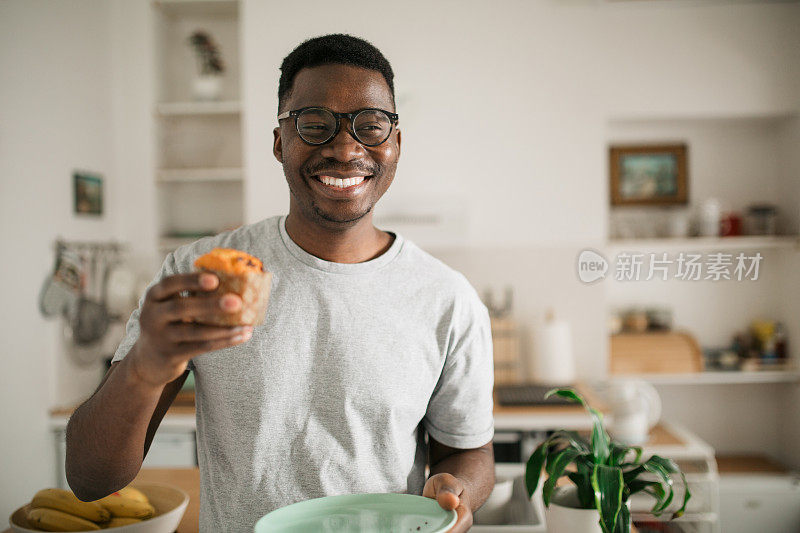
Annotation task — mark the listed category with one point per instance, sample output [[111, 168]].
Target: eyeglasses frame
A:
[[393, 117]]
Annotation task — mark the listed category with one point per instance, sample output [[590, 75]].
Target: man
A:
[[368, 346]]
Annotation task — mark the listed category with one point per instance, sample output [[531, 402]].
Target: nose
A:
[[343, 147]]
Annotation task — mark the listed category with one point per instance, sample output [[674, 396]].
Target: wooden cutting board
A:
[[654, 353]]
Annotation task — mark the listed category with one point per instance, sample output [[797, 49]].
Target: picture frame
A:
[[648, 174], [87, 194]]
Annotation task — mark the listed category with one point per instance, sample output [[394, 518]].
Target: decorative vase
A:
[[207, 87], [565, 515]]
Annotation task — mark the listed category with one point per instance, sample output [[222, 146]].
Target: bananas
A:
[[117, 522], [61, 510], [134, 494], [52, 520], [67, 502], [122, 507]]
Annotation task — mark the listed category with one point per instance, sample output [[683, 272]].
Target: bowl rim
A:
[[335, 498]]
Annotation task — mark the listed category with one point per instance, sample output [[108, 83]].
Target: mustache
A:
[[332, 164]]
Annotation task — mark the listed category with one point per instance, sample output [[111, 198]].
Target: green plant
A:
[[606, 473]]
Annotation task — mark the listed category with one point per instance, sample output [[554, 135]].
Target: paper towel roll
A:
[[553, 361]]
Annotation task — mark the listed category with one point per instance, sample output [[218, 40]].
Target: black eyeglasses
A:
[[319, 125]]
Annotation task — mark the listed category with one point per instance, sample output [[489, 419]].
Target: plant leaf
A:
[[657, 491], [583, 482], [618, 452], [623, 520], [686, 496], [656, 467], [608, 482], [568, 394], [600, 438], [533, 468], [572, 438], [555, 469]]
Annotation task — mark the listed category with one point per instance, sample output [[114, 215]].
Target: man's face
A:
[[343, 89]]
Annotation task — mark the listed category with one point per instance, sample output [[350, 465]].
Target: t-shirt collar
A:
[[339, 268]]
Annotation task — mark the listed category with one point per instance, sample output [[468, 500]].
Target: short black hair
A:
[[335, 48]]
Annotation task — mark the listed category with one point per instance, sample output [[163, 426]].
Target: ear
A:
[[397, 131], [277, 145]]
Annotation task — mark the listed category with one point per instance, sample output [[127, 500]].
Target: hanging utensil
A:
[[90, 320], [60, 289]]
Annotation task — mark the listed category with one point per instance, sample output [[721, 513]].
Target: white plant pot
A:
[[207, 87], [565, 516]]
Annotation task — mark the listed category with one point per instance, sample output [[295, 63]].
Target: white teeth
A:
[[341, 183]]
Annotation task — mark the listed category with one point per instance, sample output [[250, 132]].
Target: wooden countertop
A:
[[187, 479]]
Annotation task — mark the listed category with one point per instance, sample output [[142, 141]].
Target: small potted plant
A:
[[208, 83], [604, 476]]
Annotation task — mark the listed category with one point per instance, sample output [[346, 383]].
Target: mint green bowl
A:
[[357, 513]]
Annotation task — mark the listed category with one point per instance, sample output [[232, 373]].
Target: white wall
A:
[[55, 116], [562, 72], [562, 69]]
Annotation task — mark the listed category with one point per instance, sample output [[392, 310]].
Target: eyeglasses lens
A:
[[317, 126], [372, 127]]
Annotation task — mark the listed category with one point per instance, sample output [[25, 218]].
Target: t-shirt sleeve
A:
[[168, 267], [459, 413]]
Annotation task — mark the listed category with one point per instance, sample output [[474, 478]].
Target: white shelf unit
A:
[[230, 107], [706, 244], [717, 377], [202, 8], [199, 176], [739, 160]]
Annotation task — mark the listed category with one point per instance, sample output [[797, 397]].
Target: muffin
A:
[[242, 274]]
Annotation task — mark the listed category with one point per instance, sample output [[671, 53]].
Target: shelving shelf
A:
[[716, 377], [176, 109], [750, 242], [184, 8], [167, 244], [200, 175]]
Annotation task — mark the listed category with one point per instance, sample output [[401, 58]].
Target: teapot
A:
[[635, 409]]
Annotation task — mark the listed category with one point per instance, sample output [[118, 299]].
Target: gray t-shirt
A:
[[332, 391]]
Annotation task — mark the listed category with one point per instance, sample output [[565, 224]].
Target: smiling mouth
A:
[[340, 183]]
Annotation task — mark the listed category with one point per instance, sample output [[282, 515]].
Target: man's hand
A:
[[171, 326], [448, 490]]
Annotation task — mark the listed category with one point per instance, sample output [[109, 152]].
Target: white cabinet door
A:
[[170, 449]]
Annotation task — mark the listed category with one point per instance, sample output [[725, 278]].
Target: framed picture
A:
[[88, 193], [648, 175]]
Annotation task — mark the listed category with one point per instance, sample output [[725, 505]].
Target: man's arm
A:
[[467, 473], [108, 435]]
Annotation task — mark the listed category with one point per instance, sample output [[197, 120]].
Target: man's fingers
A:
[[205, 308], [172, 286], [197, 348], [445, 488], [447, 500], [193, 332]]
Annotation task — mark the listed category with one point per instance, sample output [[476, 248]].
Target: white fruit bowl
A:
[[170, 503]]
